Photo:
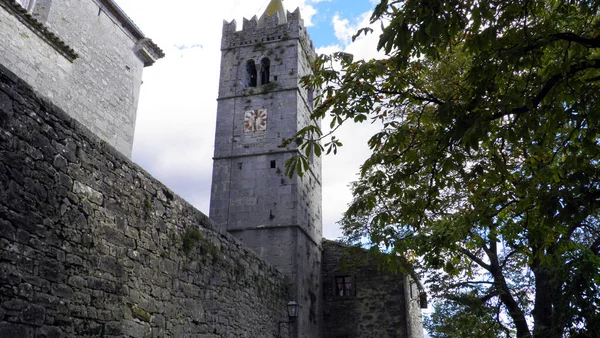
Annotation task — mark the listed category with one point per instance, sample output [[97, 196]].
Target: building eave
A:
[[146, 49], [39, 29]]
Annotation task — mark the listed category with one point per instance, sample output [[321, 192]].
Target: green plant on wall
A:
[[260, 47], [269, 86], [240, 271], [193, 238], [139, 313], [190, 239], [147, 207]]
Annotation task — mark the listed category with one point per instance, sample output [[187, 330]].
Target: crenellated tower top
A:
[[274, 9], [273, 25]]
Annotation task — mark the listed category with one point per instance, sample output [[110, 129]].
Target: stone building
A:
[[86, 56], [361, 300]]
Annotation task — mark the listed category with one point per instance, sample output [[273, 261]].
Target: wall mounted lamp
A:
[[292, 308], [292, 312]]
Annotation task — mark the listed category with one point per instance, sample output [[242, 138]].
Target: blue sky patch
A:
[[322, 31]]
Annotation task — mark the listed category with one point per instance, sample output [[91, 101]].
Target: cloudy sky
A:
[[176, 114]]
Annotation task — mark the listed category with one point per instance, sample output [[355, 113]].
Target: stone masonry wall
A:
[[100, 88], [379, 304], [91, 245]]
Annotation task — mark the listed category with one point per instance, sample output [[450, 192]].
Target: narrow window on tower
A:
[[265, 71], [343, 286], [310, 98], [250, 74]]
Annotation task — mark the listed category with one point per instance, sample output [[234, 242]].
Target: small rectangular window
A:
[[273, 164], [343, 286], [240, 165]]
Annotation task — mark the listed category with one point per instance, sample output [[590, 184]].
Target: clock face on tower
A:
[[255, 120]]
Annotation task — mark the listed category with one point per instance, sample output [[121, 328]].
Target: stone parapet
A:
[[273, 29]]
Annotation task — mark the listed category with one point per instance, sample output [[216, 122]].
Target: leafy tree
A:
[[486, 171], [464, 317]]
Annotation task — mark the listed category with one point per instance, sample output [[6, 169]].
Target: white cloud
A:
[[307, 13], [341, 169], [327, 50], [344, 29]]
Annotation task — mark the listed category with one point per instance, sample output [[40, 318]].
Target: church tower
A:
[[261, 103]]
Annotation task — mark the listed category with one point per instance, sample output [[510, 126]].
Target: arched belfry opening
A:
[[250, 73], [265, 65]]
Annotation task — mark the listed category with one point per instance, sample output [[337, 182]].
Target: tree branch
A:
[[571, 37], [506, 297], [475, 259], [596, 247], [550, 83]]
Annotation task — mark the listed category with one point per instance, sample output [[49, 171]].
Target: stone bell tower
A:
[[261, 103]]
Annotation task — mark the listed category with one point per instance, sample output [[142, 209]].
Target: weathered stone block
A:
[[51, 270], [84, 191], [15, 330], [88, 328], [7, 230], [113, 328], [49, 332], [33, 315]]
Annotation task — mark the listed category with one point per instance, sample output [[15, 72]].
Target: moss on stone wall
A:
[[139, 313], [190, 239]]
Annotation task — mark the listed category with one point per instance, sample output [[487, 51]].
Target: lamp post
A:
[[292, 312]]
